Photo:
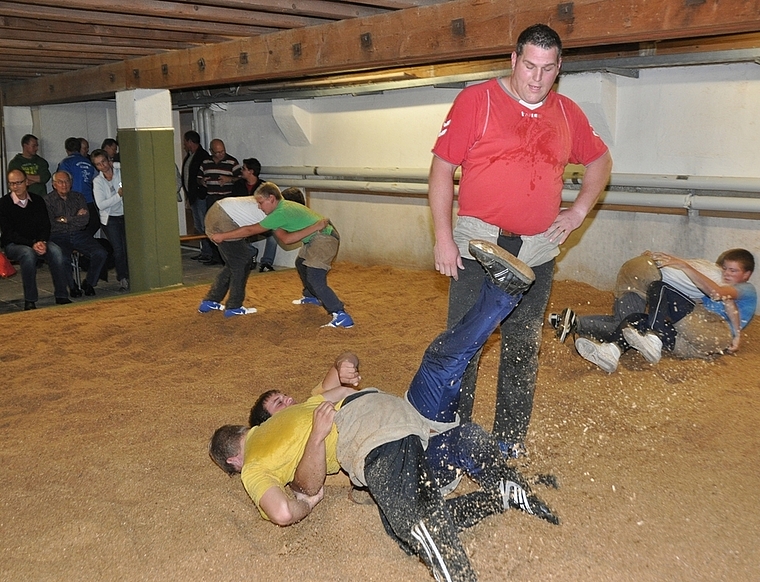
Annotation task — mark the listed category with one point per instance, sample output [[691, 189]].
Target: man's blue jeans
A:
[[198, 209], [435, 388], [27, 260]]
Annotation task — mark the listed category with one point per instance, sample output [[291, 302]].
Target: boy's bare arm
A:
[[284, 510], [289, 238], [343, 373], [733, 316], [713, 290], [310, 474], [242, 232]]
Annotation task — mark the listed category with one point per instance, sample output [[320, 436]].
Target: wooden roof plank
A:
[[186, 11], [69, 29], [157, 23]]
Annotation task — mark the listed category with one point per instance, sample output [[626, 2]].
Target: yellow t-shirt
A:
[[274, 449]]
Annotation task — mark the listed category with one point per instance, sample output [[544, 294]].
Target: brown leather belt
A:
[[508, 234]]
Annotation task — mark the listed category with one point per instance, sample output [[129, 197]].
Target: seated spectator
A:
[[82, 173], [69, 216], [25, 234], [675, 322]]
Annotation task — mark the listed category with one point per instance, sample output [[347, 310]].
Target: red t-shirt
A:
[[513, 158]]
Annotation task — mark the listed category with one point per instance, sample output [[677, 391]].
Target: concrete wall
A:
[[691, 120]]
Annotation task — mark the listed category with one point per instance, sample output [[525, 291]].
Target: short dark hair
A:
[[258, 413], [294, 195], [108, 142], [192, 136], [72, 144], [225, 443], [741, 256], [541, 36], [27, 138], [253, 165]]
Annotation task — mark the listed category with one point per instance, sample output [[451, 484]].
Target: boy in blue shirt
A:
[[714, 327]]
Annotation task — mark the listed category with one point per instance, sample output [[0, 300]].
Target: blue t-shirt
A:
[[746, 303], [82, 174]]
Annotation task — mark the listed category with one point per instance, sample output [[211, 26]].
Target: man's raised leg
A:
[[434, 390]]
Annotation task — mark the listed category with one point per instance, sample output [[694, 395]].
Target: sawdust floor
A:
[[106, 409]]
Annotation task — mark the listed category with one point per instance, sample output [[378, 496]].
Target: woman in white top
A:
[[108, 196]]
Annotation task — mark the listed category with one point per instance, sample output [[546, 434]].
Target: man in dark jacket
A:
[[194, 190], [25, 229]]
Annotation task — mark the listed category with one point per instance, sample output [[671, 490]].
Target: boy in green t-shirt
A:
[[289, 221]]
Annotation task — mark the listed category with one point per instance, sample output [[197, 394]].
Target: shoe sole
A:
[[638, 343], [301, 302], [588, 350], [338, 325], [488, 254], [566, 326], [250, 311]]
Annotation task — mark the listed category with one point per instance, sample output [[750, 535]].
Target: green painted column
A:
[[150, 193]]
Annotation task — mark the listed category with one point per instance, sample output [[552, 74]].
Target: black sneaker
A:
[[564, 323], [88, 289], [517, 496], [508, 272]]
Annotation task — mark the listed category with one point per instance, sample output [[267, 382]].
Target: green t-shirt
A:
[[292, 216], [36, 166]]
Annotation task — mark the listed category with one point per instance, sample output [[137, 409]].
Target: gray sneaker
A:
[[606, 356], [507, 272]]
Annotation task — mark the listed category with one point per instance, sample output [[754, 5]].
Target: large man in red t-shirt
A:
[[512, 138]]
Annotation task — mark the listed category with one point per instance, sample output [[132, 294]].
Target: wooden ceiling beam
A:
[[183, 10], [451, 31]]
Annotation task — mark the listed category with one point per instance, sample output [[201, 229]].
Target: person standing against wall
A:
[[194, 190], [35, 167], [218, 174], [512, 138], [108, 197]]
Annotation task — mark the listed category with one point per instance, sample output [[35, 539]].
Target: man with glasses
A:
[[25, 233]]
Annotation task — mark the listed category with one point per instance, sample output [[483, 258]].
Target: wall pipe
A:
[[665, 181], [350, 180]]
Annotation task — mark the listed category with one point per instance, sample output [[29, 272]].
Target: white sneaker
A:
[[606, 356], [648, 345]]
